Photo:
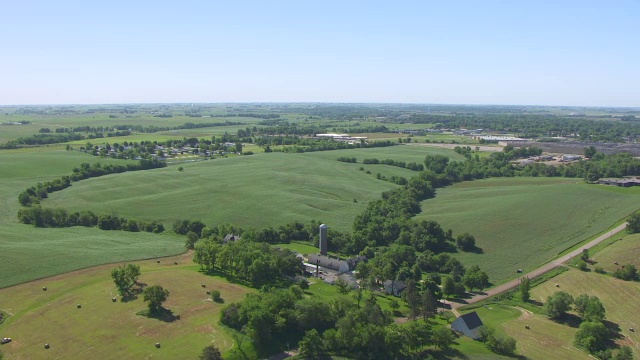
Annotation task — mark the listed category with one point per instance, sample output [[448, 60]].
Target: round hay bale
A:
[[44, 288], [175, 263], [208, 292], [157, 345], [46, 346], [78, 306], [114, 299], [204, 285], [157, 261]]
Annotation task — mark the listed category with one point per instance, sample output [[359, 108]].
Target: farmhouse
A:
[[394, 287], [468, 324]]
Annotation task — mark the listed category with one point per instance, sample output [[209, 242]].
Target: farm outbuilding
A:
[[329, 263], [468, 324]]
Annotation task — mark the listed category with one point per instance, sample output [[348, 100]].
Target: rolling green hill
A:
[[260, 190]]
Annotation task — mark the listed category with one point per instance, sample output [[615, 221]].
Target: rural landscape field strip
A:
[[521, 223], [112, 330], [616, 296]]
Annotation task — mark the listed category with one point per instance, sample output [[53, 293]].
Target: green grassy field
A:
[[247, 191], [260, 190], [543, 340], [29, 253], [623, 252], [617, 296], [521, 223], [103, 329]]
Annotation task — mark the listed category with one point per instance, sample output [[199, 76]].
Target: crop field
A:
[[521, 223], [29, 253], [617, 296], [247, 191], [260, 190], [102, 329], [623, 252]]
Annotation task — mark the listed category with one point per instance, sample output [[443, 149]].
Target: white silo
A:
[[323, 239]]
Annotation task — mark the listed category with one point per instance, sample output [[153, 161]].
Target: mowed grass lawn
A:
[[521, 223], [259, 190], [617, 296], [29, 253], [102, 329]]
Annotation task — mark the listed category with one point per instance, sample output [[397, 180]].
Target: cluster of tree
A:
[[633, 223], [398, 180], [41, 139], [341, 326], [592, 334], [499, 165], [57, 217], [145, 149], [257, 263], [281, 234], [348, 159], [34, 194], [530, 125], [252, 115], [312, 145], [411, 166], [627, 272], [357, 129], [503, 345], [522, 152]]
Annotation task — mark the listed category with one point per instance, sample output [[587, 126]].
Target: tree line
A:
[[530, 125], [58, 217], [34, 194]]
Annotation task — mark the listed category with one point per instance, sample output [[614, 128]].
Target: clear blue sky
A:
[[448, 52]]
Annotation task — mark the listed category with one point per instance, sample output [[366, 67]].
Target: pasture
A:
[[623, 252], [521, 223], [544, 339], [617, 296], [102, 329], [259, 190]]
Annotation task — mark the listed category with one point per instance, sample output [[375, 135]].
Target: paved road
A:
[[543, 269]]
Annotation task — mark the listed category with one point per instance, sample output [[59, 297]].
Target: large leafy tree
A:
[[125, 277], [211, 353], [633, 223], [592, 336], [474, 278], [558, 304], [155, 295]]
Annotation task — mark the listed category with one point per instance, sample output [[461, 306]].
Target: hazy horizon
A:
[[573, 53]]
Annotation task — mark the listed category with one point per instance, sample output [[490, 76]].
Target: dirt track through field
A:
[[542, 269]]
